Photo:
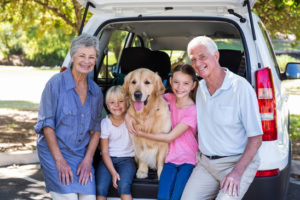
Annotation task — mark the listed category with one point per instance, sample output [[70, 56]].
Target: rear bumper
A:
[[275, 187]]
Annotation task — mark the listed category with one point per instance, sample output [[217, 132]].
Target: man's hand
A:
[[231, 183], [84, 172], [65, 173]]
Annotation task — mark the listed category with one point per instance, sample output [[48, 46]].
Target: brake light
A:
[[264, 173], [266, 102], [63, 69]]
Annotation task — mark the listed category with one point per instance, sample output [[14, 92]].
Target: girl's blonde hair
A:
[[115, 91]]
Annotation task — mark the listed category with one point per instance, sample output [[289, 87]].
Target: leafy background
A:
[[39, 32]]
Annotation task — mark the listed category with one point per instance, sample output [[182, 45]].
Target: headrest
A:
[[133, 58], [161, 63], [230, 59], [136, 57]]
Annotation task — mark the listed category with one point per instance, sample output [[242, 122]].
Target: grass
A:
[[295, 127], [19, 105], [280, 45], [284, 59]]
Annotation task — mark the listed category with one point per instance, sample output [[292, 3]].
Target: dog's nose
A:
[[138, 95]]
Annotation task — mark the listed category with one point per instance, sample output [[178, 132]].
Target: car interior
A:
[[160, 45]]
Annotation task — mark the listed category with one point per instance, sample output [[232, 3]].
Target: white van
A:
[[155, 34]]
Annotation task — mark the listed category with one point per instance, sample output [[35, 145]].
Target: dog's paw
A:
[[141, 174]]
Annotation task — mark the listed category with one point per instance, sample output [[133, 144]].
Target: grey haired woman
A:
[[68, 126]]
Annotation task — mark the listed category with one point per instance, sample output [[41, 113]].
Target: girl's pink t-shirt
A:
[[184, 148]]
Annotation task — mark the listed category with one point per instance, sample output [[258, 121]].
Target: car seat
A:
[[230, 59], [137, 57]]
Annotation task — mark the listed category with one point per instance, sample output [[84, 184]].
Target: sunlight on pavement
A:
[[20, 179], [16, 171], [23, 83]]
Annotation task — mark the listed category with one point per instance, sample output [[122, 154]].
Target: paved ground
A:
[[23, 83], [26, 183], [22, 182]]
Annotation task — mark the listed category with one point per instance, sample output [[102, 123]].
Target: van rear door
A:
[[165, 7]]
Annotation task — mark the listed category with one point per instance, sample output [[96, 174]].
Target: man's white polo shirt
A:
[[227, 118]]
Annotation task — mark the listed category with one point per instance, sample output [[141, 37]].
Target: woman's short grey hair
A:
[[203, 40], [84, 40]]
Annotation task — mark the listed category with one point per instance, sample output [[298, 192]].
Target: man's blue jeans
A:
[[172, 180]]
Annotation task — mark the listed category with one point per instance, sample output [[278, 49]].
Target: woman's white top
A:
[[119, 140]]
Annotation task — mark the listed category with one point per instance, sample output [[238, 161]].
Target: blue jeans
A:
[[172, 180], [126, 168]]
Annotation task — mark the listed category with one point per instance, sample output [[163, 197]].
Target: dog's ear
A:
[[125, 86], [159, 85]]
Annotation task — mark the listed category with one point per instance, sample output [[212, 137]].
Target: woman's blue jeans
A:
[[172, 181]]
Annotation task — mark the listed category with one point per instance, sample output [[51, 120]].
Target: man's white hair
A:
[[205, 41]]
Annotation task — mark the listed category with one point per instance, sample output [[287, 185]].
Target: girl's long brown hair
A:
[[189, 70]]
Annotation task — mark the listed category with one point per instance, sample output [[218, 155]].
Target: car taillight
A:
[[267, 104], [63, 69], [264, 173]]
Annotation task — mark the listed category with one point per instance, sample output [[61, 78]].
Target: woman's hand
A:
[[130, 123], [84, 172], [115, 177], [64, 171]]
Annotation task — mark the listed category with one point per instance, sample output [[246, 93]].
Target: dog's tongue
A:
[[138, 105]]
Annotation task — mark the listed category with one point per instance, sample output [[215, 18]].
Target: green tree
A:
[[10, 41], [39, 21], [280, 16], [46, 26], [51, 14]]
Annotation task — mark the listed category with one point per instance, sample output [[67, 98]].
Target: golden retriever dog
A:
[[144, 89]]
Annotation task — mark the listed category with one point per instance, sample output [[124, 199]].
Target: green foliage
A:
[[9, 40], [37, 31], [279, 16], [50, 49], [295, 127], [283, 60], [42, 29], [280, 4], [49, 14], [116, 42]]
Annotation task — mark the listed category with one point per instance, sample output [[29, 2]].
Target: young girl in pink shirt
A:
[[181, 158]]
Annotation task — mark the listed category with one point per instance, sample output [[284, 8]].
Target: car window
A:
[[115, 45], [233, 44], [176, 57], [269, 46]]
